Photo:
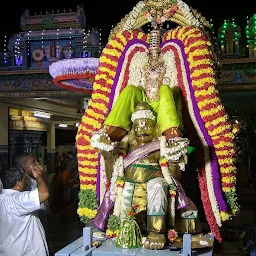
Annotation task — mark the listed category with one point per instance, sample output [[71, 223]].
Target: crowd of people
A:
[[65, 187]]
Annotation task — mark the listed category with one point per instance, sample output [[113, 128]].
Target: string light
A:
[[5, 50], [100, 41]]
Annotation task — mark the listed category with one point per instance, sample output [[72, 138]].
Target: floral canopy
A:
[[192, 62]]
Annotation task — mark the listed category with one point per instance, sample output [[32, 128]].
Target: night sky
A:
[[105, 13]]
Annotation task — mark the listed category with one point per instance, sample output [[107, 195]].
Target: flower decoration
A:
[[132, 211], [210, 121], [38, 54], [114, 223], [194, 75], [75, 74], [105, 89], [172, 235], [165, 16]]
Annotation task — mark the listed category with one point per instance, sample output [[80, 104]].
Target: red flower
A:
[[172, 235]]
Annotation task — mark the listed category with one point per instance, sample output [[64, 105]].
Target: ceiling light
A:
[[63, 125], [42, 114]]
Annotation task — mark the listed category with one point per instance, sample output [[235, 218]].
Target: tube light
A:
[[63, 125], [42, 114]]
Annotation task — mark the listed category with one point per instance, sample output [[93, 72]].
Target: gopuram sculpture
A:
[[154, 102]]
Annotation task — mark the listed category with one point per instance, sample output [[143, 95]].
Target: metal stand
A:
[[83, 247]]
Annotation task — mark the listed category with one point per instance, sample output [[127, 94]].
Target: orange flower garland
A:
[[93, 119], [199, 55]]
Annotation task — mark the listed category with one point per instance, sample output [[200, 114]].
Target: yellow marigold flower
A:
[[227, 190], [229, 179], [98, 77], [117, 45], [87, 171], [172, 192], [229, 169], [110, 72], [218, 130], [194, 64], [222, 144], [112, 52], [82, 178], [225, 161], [109, 61], [88, 163], [91, 112], [224, 216], [86, 212], [211, 112], [122, 38], [85, 187], [206, 102], [109, 232], [101, 106], [210, 90]]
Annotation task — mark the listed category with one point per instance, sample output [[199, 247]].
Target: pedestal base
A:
[[108, 248]]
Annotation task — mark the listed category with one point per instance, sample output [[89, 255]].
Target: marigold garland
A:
[[197, 49], [93, 119]]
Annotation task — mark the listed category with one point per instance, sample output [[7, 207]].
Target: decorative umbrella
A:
[[75, 74]]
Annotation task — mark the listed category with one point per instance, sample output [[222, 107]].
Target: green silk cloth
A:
[[164, 109]]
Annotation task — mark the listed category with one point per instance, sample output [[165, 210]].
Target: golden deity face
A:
[[144, 130]]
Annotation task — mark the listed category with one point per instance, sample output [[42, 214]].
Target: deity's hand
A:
[[176, 148], [101, 141]]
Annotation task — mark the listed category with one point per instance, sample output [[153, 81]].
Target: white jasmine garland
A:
[[178, 150], [145, 114], [73, 66], [133, 15], [176, 153], [118, 170], [171, 70], [103, 178], [117, 206], [187, 13], [95, 142], [124, 68], [136, 70]]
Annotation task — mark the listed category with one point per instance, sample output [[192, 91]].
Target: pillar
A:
[[251, 52], [51, 148], [4, 113]]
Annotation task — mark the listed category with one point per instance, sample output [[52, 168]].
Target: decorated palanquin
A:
[[190, 71]]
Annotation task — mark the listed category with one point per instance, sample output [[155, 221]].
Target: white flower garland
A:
[[117, 206], [187, 13], [133, 15], [118, 170], [166, 173], [73, 66], [176, 153], [103, 178], [95, 142], [136, 70], [124, 68], [171, 70], [145, 114]]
